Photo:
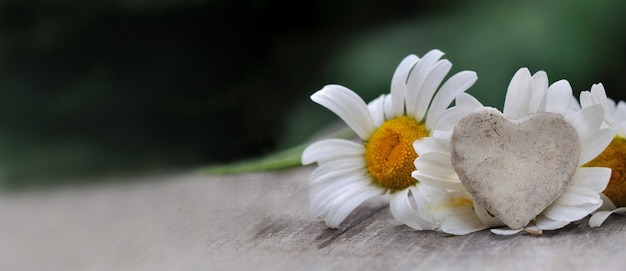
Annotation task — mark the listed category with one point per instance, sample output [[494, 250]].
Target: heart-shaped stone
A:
[[514, 168]]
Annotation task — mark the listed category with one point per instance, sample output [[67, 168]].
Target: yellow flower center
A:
[[389, 153], [614, 157]]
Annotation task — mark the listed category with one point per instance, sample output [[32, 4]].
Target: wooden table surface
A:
[[259, 221]]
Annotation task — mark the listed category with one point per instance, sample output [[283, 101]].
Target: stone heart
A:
[[514, 168]]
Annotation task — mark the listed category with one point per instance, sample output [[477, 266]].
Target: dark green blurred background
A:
[[102, 88]]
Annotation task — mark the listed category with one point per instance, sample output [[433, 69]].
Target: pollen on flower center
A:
[[389, 152], [614, 157]]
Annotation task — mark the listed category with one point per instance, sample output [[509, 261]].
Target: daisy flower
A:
[[526, 95], [613, 156], [381, 162]]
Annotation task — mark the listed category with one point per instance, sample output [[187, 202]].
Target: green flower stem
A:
[[287, 158]]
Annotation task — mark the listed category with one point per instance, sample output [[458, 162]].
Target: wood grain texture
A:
[[260, 222]]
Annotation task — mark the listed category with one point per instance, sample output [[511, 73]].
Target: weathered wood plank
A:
[[260, 221]]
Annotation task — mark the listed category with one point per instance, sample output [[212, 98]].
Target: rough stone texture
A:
[[514, 168], [259, 222]]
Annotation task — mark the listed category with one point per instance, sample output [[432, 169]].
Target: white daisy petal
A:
[[322, 196], [388, 107], [518, 94], [455, 212], [430, 85], [377, 110], [620, 112], [598, 95], [558, 97], [442, 134], [448, 119], [539, 85], [596, 145], [592, 178], [438, 181], [436, 162], [576, 196], [607, 204], [546, 223], [416, 78], [346, 203], [585, 99], [574, 106], [402, 210], [331, 149], [610, 103], [334, 169], [598, 218], [505, 231], [457, 84], [467, 102], [348, 106], [560, 212], [432, 144], [586, 122], [398, 85]]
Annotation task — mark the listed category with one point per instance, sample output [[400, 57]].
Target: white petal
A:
[[592, 148], [505, 231], [435, 163], [607, 204], [598, 95], [467, 102], [402, 210], [585, 99], [438, 181], [574, 106], [388, 107], [331, 149], [620, 112], [586, 122], [432, 144], [416, 79], [592, 178], [539, 87], [346, 203], [518, 95], [558, 97], [575, 196], [599, 217], [398, 85], [560, 212], [348, 106], [323, 195], [546, 223], [334, 169], [458, 83], [447, 120], [429, 86], [456, 213], [377, 110], [442, 134], [610, 102]]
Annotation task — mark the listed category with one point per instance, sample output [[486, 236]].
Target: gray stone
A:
[[514, 168]]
